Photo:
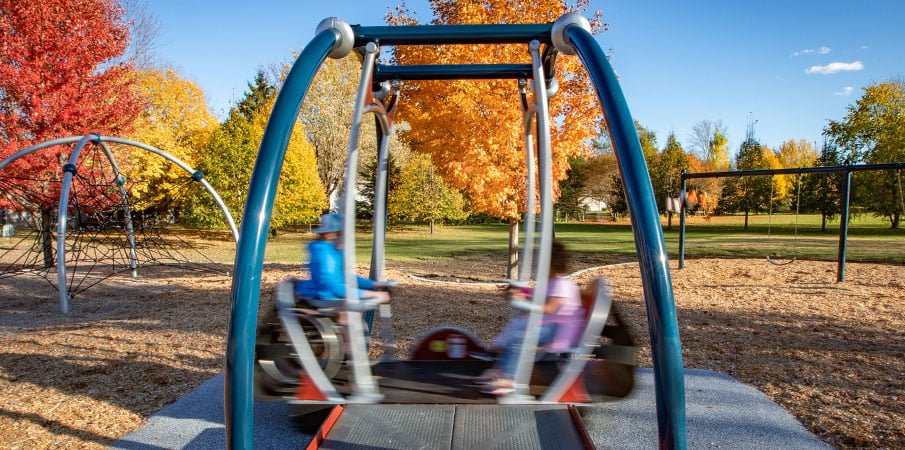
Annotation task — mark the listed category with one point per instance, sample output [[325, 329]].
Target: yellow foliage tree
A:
[[420, 194], [326, 118], [228, 160], [792, 154], [800, 153], [300, 195], [781, 183], [473, 128], [176, 121], [719, 151]]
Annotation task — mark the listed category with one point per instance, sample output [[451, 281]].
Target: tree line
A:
[[872, 132], [458, 150]]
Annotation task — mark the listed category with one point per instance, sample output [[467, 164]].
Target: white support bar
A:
[[364, 388]]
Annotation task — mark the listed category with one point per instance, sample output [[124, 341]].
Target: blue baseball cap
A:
[[330, 223]]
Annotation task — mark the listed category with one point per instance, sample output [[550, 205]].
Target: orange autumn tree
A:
[[472, 129]]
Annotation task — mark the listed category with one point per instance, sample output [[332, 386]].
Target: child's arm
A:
[[553, 304]]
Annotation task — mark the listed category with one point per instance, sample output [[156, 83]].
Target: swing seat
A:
[[779, 263]]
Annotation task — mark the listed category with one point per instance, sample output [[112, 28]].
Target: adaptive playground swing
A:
[[299, 354]]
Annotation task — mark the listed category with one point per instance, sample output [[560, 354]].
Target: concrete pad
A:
[[721, 413]]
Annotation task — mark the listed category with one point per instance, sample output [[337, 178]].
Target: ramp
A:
[[454, 427]]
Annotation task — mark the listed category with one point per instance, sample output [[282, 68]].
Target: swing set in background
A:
[[845, 201]]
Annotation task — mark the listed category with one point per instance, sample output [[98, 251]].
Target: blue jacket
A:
[[327, 279]]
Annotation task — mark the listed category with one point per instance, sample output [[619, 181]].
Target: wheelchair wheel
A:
[[277, 366]]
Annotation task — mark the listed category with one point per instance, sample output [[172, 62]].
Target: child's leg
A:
[[512, 333], [510, 355]]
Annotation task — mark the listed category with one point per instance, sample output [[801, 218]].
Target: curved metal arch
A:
[[666, 348], [196, 176], [102, 140], [117, 140], [68, 174], [665, 344], [246, 287], [63, 212]]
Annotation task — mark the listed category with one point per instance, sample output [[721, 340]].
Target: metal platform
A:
[[465, 427]]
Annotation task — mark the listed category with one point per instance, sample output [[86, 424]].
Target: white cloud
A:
[[846, 91], [865, 47], [820, 51], [834, 67]]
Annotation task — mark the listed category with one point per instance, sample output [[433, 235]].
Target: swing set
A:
[[845, 200]]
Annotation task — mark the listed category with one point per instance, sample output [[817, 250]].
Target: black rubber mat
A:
[[454, 381]]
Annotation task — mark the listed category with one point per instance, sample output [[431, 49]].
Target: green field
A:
[[869, 239]]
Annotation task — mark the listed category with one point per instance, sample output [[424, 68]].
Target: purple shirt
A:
[[570, 316]]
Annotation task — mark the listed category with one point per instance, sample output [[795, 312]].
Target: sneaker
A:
[[500, 386]]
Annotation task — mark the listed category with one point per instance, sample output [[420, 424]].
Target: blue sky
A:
[[788, 65]]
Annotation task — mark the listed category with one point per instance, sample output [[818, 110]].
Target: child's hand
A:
[[515, 293]]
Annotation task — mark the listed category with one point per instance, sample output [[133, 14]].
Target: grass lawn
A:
[[869, 239]]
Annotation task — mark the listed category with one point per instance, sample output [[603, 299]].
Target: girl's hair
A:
[[559, 258]]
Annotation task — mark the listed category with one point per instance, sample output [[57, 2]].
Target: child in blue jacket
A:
[[327, 284]]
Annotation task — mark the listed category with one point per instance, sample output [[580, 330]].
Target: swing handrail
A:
[[364, 387], [525, 364]]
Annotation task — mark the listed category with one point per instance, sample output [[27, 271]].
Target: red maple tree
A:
[[58, 76]]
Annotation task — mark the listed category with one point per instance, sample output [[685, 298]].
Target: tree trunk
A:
[[823, 222], [47, 236], [895, 220], [432, 225], [669, 220], [512, 267], [746, 220]]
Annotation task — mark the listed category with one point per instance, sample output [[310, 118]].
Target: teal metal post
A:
[[246, 287], [652, 257], [843, 224], [683, 202]]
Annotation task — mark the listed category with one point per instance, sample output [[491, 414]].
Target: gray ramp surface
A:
[[721, 412]]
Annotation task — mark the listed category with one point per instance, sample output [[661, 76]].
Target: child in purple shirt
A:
[[561, 325]]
